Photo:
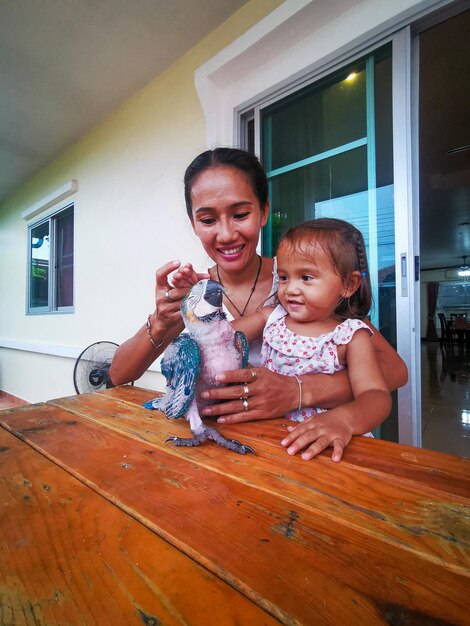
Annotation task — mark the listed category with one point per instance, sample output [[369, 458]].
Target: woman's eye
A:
[[240, 216], [207, 221]]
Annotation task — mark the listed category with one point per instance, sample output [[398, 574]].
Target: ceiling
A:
[[66, 65]]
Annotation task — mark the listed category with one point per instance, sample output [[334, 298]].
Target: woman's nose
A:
[[225, 231]]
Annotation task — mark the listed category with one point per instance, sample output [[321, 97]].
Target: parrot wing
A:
[[180, 365]]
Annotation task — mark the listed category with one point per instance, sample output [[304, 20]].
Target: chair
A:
[[446, 332]]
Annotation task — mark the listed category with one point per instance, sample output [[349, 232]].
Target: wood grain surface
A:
[[381, 538], [69, 556]]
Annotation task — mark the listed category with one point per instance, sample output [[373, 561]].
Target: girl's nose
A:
[[292, 287]]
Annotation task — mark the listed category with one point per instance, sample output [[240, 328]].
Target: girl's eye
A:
[[307, 277], [282, 278]]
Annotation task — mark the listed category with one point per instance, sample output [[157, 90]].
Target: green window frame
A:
[[310, 137]]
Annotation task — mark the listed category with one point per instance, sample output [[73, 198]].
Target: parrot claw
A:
[[243, 448], [211, 433]]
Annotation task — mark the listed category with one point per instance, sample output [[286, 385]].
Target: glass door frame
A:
[[406, 222]]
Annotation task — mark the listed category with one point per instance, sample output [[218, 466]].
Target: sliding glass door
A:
[[328, 149]]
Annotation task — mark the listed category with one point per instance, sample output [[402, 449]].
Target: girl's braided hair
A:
[[344, 244]]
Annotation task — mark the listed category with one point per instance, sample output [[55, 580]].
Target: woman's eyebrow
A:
[[242, 203], [235, 205]]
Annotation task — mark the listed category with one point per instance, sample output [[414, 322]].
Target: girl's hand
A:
[[268, 394], [186, 277], [328, 429]]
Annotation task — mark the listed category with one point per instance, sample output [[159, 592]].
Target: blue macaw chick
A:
[[193, 359]]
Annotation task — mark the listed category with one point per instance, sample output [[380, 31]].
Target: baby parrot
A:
[[193, 359]]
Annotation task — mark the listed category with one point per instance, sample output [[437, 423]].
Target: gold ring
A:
[[246, 390], [245, 404], [167, 296], [254, 373]]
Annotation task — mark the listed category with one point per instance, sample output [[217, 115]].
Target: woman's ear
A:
[[264, 214], [353, 285]]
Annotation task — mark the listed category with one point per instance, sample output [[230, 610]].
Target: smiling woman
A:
[[226, 194]]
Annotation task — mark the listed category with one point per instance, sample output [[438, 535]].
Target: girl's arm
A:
[[371, 405], [252, 325]]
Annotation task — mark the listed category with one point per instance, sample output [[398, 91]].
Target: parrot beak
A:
[[213, 294]]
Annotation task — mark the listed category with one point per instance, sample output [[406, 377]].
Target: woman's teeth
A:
[[231, 250]]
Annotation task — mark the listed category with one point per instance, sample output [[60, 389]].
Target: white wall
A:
[[129, 220]]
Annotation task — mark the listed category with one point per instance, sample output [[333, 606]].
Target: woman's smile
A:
[[230, 252]]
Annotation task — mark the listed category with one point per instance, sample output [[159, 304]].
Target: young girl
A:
[[324, 291]]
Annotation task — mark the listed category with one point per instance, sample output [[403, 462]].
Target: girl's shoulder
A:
[[344, 332], [275, 313]]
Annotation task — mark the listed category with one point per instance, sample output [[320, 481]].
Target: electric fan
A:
[[91, 371]]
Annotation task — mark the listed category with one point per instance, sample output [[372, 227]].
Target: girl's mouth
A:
[[295, 304]]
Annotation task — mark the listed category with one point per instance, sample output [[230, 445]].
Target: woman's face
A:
[[227, 216]]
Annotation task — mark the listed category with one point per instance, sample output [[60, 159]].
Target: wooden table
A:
[[102, 522]]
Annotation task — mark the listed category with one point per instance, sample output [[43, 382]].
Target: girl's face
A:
[[309, 287], [227, 216]]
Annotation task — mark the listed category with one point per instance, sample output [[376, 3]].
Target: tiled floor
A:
[[445, 396]]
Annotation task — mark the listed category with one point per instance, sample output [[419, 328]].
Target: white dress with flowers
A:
[[285, 352]]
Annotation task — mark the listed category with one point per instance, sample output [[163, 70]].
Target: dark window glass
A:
[[64, 231]]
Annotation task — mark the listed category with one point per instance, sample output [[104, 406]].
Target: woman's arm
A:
[[135, 355], [393, 368], [274, 395]]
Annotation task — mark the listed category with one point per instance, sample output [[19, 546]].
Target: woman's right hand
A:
[[136, 354], [168, 295]]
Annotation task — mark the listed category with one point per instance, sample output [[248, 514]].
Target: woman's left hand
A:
[[255, 385], [324, 430]]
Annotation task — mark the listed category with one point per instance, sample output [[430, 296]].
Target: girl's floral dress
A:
[[287, 353]]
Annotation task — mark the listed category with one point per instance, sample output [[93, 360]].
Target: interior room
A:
[[444, 174]]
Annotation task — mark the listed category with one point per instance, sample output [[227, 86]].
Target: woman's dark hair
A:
[[230, 157], [344, 243]]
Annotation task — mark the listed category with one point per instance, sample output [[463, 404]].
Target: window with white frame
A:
[[50, 263]]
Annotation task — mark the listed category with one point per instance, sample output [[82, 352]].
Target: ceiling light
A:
[[350, 77], [464, 269]]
